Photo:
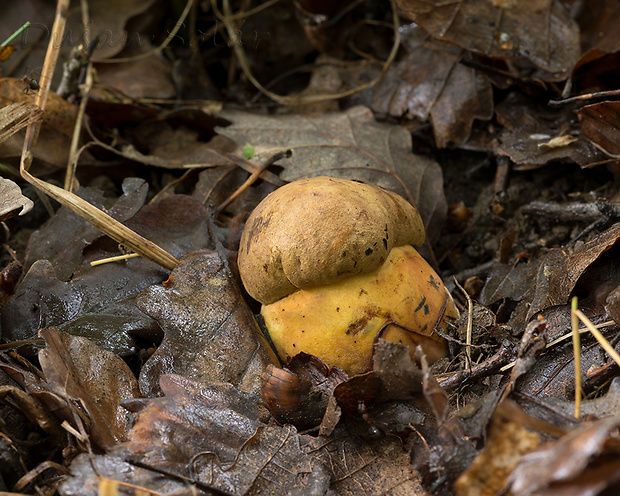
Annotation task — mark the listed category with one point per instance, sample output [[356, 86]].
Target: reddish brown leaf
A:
[[600, 123]]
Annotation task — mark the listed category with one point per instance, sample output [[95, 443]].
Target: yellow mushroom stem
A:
[[402, 301]]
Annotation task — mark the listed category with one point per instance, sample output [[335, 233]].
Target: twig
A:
[[586, 96], [490, 366], [582, 330], [252, 179], [156, 50], [226, 18], [88, 83], [118, 258], [597, 334], [470, 314]]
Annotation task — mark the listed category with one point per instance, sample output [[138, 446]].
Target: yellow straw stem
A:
[[577, 353], [599, 337]]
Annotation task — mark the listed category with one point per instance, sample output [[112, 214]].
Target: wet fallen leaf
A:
[[209, 433], [351, 145], [210, 335], [66, 236], [98, 302], [528, 126]]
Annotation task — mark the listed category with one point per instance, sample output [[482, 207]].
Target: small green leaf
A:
[[248, 152]]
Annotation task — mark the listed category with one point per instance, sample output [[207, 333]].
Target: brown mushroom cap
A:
[[321, 230]]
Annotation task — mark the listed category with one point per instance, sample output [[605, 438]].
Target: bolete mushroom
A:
[[332, 263]]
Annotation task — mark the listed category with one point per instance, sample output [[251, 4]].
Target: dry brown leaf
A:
[[147, 77], [359, 466], [506, 442], [585, 461], [430, 83], [539, 30], [58, 122], [17, 116], [12, 200], [109, 19], [349, 145]]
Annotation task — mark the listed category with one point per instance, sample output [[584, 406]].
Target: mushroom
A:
[[331, 262]]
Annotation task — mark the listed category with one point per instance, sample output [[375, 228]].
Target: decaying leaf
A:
[[62, 289], [585, 461], [16, 116], [349, 145], [507, 441], [360, 466], [55, 138], [430, 83], [12, 202], [541, 31], [210, 335], [109, 20], [177, 141], [528, 126], [600, 123], [96, 379], [554, 277], [63, 240], [210, 434]]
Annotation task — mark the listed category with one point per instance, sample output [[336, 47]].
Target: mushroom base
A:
[[403, 301]]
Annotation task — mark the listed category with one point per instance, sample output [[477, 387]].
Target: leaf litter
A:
[[497, 123]]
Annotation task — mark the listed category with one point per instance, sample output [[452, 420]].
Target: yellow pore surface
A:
[[402, 300]]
